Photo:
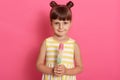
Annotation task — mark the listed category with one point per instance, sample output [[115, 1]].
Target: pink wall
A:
[[24, 24]]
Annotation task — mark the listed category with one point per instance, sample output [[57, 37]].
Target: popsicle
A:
[[60, 52]]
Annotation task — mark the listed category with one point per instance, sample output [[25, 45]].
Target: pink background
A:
[[24, 24]]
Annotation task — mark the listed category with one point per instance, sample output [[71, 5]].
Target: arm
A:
[[79, 66], [41, 59]]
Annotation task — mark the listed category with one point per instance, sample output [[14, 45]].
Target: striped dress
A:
[[67, 57]]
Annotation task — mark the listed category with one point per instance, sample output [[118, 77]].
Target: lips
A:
[[60, 31]]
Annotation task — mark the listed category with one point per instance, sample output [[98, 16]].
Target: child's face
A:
[[61, 27]]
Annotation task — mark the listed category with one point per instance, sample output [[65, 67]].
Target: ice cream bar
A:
[[61, 46], [60, 51]]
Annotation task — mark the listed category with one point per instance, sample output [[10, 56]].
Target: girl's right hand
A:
[[59, 70], [56, 71]]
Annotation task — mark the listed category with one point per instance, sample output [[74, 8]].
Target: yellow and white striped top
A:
[[67, 57]]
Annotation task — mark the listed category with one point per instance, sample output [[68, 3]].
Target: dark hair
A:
[[61, 12]]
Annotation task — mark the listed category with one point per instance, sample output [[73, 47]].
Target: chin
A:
[[59, 35]]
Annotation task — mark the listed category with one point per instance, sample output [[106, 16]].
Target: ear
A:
[[53, 4], [70, 4]]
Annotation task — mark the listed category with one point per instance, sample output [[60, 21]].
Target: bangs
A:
[[61, 13]]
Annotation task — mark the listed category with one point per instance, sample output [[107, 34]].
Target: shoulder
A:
[[45, 42], [76, 44], [73, 40], [48, 38]]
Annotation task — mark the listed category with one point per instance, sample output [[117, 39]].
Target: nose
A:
[[60, 26]]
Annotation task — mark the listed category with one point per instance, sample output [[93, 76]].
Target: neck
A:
[[61, 38]]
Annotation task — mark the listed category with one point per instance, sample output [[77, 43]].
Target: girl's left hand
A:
[[59, 70]]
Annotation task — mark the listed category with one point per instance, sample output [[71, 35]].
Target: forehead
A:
[[57, 20]]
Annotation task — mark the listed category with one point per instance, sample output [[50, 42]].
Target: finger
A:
[[56, 74], [56, 66], [59, 69], [59, 72]]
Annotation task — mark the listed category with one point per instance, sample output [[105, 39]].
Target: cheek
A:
[[55, 29], [67, 27]]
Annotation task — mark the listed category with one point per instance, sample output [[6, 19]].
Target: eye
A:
[[56, 23], [65, 22]]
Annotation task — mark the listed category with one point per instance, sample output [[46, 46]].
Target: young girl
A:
[[70, 61]]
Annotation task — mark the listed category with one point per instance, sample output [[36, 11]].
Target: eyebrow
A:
[[63, 21]]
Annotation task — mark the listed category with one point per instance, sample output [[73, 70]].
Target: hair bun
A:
[[70, 4], [53, 4]]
